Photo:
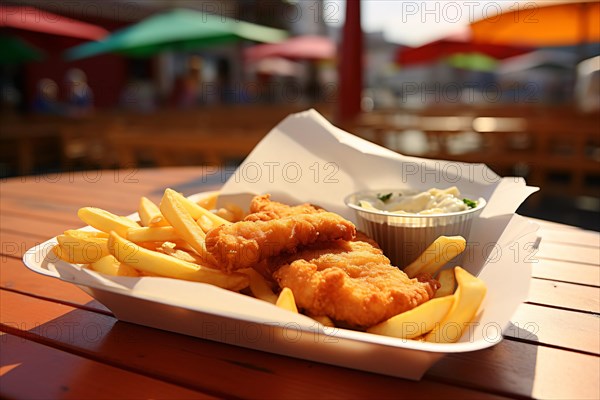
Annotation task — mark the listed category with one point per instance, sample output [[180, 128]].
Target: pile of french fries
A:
[[168, 241]]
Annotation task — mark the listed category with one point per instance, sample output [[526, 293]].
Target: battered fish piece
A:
[[262, 208], [353, 282], [244, 244]]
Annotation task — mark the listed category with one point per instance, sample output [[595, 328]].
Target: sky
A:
[[418, 22]]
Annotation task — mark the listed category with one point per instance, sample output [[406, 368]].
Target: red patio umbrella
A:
[[33, 19], [457, 43], [309, 47]]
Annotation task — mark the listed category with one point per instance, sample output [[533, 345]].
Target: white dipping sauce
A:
[[432, 201]]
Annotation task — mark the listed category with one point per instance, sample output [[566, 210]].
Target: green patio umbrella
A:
[[179, 29], [15, 51]]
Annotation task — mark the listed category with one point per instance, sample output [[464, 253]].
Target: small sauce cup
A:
[[404, 237]]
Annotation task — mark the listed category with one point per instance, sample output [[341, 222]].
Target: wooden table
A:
[[57, 342]]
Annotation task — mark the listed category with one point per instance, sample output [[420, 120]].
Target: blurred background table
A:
[[57, 342]]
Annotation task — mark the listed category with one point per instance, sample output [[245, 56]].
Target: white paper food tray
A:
[[499, 252]]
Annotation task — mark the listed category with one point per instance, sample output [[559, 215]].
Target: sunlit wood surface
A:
[[57, 342]]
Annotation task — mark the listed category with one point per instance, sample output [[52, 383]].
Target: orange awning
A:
[[542, 24]]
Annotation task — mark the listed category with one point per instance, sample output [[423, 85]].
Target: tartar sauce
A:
[[432, 201]]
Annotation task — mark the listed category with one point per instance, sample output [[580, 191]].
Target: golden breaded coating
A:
[[246, 243], [352, 282], [262, 208]]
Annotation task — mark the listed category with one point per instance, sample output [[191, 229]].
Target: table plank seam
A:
[[42, 238], [48, 218], [563, 281], [72, 350], [562, 308], [589, 246], [569, 261], [53, 300], [552, 346], [111, 205]]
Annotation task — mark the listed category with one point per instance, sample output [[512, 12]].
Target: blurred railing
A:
[[556, 148], [210, 135]]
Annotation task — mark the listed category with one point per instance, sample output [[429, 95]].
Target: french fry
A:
[[78, 233], [236, 211], [286, 300], [209, 202], [259, 286], [415, 322], [184, 223], [152, 262], [447, 282], [152, 234], [106, 221], [170, 249], [205, 223], [323, 320], [195, 210], [109, 265], [225, 214], [80, 249], [150, 214], [215, 219], [442, 250], [64, 255], [467, 299]]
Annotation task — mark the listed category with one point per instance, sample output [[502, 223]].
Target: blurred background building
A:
[[115, 83]]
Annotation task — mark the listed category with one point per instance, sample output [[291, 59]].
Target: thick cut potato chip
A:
[[81, 249], [447, 283], [442, 250], [77, 233], [205, 223], [184, 223], [153, 234], [259, 286], [76, 256], [109, 265], [195, 210], [209, 202], [106, 221], [467, 299], [150, 214], [286, 300], [161, 264], [415, 322], [323, 320]]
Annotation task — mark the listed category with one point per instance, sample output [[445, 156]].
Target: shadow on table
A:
[[86, 343], [508, 367], [581, 212]]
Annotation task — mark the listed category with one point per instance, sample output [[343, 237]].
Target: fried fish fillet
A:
[[352, 282], [262, 208], [246, 243]]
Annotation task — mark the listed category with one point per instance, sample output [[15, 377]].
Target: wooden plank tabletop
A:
[[71, 346]]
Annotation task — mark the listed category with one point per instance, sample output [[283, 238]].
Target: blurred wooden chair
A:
[[149, 147], [556, 148], [85, 143]]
